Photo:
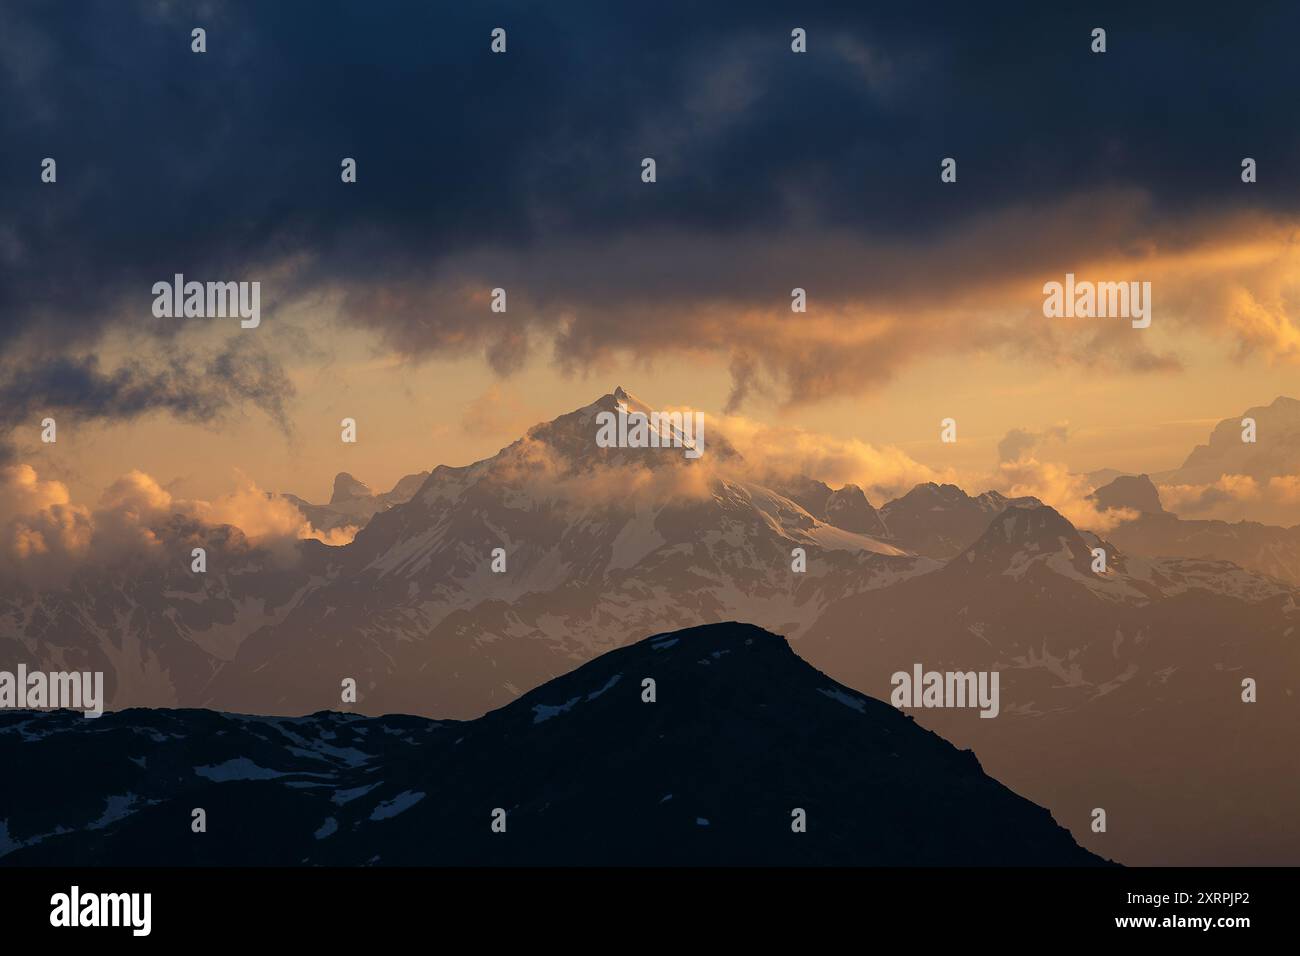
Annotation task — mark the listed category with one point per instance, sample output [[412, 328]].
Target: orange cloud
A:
[[43, 532], [786, 451], [37, 518], [1232, 497], [1055, 485]]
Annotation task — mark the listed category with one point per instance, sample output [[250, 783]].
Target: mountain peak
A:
[[1022, 534], [792, 736], [848, 508], [573, 434], [609, 402], [347, 488], [625, 399], [944, 492], [1136, 492], [942, 521], [1019, 525]]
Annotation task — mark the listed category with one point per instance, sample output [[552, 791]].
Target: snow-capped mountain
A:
[[600, 547], [741, 738]]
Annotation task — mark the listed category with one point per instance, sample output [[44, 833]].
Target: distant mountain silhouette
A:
[[1135, 492], [1262, 548], [347, 488], [1156, 533], [1255, 469], [352, 503], [1275, 451], [942, 520], [743, 733]]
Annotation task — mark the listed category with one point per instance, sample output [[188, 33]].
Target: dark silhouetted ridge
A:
[[742, 733]]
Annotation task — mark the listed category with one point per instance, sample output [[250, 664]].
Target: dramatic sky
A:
[[522, 171]]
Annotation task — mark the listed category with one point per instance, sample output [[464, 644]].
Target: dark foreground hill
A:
[[742, 733]]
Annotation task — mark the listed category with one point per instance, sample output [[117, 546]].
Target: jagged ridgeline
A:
[[713, 745]]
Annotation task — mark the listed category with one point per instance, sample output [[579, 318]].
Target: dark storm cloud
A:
[[225, 164], [193, 390]]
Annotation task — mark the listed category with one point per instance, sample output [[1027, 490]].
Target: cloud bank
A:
[[762, 187], [45, 537]]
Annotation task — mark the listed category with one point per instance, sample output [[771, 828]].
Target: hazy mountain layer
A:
[[1120, 690]]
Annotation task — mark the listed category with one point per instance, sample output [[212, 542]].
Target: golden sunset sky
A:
[[775, 170]]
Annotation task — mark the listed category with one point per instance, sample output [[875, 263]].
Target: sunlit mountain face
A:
[[383, 376]]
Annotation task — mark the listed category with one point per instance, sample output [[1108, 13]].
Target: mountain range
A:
[[1268, 549], [1121, 689]]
